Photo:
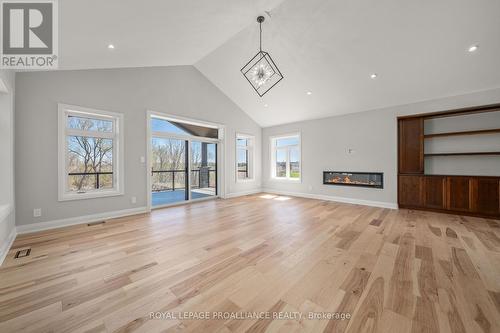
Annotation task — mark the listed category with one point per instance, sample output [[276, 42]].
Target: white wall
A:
[[373, 137], [7, 215], [180, 90]]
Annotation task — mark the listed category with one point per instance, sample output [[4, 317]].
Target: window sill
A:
[[89, 195]]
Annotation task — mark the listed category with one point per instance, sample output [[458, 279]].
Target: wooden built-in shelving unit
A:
[[469, 195]]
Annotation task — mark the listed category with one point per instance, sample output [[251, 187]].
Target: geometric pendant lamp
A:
[[261, 71]]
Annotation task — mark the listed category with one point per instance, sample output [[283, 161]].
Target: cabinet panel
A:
[[458, 193], [410, 191], [411, 145], [435, 192], [486, 198]]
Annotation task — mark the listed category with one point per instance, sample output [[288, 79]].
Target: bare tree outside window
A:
[[90, 153], [90, 159], [168, 155]]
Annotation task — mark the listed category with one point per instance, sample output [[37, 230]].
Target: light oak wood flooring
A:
[[392, 270]]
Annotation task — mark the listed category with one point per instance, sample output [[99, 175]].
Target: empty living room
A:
[[250, 166]]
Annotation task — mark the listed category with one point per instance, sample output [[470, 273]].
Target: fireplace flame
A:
[[356, 178], [347, 180]]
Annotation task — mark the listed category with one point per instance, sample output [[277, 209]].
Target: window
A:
[[90, 153], [244, 157], [285, 157]]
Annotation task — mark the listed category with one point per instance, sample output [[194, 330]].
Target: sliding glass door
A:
[[203, 169], [183, 160], [169, 171]]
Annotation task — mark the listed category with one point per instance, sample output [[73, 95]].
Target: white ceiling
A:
[[329, 47], [148, 32]]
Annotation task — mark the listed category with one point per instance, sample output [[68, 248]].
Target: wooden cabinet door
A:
[[435, 192], [486, 196], [459, 193], [410, 191], [411, 145]]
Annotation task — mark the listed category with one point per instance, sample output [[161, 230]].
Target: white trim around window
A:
[[286, 151], [115, 134], [249, 148]]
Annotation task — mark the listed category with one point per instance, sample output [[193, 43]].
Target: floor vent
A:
[[22, 253], [95, 223]]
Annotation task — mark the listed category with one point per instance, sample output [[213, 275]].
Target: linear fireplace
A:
[[344, 178]]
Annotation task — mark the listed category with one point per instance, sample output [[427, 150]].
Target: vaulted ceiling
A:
[[149, 32], [419, 49]]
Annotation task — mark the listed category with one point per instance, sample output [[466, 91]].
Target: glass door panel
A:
[[169, 171], [203, 157]]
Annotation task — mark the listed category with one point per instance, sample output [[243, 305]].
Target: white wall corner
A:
[[5, 211], [3, 87], [4, 250]]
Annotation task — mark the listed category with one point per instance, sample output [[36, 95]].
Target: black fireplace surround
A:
[[350, 178]]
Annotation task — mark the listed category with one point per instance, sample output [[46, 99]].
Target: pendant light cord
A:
[[260, 26]]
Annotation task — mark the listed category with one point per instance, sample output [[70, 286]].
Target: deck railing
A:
[[97, 183], [181, 185], [211, 177]]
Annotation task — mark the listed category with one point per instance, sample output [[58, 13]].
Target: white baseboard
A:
[[334, 198], [242, 193], [28, 228], [7, 245]]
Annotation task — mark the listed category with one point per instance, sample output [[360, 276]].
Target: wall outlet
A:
[[143, 159], [133, 200], [37, 212], [310, 187]]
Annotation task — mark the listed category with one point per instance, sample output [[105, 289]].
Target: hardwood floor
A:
[[393, 271]]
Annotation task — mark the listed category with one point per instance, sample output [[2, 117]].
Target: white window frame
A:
[[251, 156], [273, 150], [65, 110]]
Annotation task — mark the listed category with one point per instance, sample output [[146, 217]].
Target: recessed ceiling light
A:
[[111, 46], [265, 105], [374, 75], [473, 48], [309, 93]]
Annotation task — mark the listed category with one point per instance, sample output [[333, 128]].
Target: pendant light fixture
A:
[[261, 71]]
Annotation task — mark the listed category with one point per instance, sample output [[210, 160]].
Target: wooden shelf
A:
[[465, 153], [478, 132]]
